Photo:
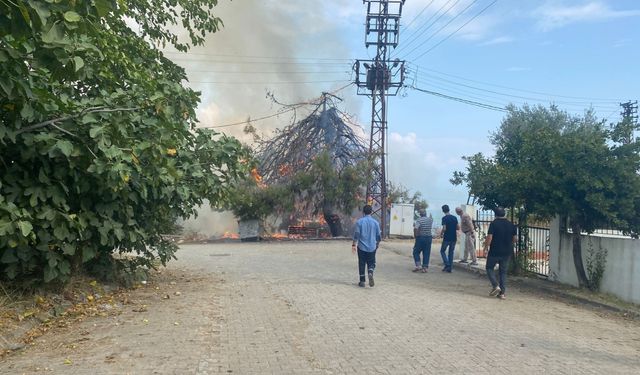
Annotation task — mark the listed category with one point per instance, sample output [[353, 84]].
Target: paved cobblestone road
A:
[[294, 308]]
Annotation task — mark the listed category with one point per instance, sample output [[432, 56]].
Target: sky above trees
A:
[[574, 53]]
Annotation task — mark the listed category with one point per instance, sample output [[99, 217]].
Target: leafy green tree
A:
[[550, 163], [98, 147], [400, 193], [252, 200], [324, 188], [320, 189]]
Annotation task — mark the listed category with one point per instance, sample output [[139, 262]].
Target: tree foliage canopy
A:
[[400, 193], [98, 147], [550, 163], [320, 160]]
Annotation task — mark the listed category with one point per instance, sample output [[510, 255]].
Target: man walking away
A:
[[449, 234], [366, 238], [422, 233], [466, 226], [501, 236]]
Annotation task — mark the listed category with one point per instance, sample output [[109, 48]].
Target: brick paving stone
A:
[[295, 308], [409, 323]]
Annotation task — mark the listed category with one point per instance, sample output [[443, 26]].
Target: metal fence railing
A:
[[532, 248], [532, 252], [604, 230]]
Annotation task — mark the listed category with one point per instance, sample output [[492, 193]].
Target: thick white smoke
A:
[[291, 48]]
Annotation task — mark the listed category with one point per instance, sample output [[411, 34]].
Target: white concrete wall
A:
[[622, 270]]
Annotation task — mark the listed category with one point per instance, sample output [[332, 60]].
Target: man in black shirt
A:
[[501, 236]]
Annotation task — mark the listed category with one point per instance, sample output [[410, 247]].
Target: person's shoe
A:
[[449, 270], [501, 296], [425, 269], [495, 291], [417, 269], [371, 282], [473, 263], [361, 284], [463, 261], [445, 269]]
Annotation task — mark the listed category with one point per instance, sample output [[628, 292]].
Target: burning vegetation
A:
[[323, 160], [310, 174], [294, 148]]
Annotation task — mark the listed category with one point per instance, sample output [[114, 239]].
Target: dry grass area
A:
[[108, 330], [27, 314]]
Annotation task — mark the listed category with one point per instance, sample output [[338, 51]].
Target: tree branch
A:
[[80, 114], [75, 136]]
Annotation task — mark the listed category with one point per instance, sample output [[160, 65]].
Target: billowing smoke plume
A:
[[293, 49]]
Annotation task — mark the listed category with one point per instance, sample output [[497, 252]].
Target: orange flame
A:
[[256, 176], [230, 235], [284, 170]]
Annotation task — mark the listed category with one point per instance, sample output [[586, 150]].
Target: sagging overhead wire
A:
[[433, 80], [460, 100], [269, 82], [417, 34], [458, 29], [590, 99], [418, 15], [503, 102], [259, 57], [289, 108], [442, 27]]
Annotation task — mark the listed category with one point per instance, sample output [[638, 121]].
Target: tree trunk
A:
[[333, 220], [583, 281]]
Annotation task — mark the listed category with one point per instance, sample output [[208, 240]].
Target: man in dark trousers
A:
[[501, 236], [422, 233], [449, 234], [366, 238]]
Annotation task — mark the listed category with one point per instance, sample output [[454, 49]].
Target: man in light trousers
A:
[[466, 226]]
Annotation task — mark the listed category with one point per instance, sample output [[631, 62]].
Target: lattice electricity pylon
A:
[[630, 113], [379, 78]]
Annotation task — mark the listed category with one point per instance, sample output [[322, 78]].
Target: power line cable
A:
[[458, 29], [603, 100], [442, 28], [503, 96], [415, 35], [266, 72], [286, 110], [466, 95], [249, 119], [481, 104], [418, 15], [515, 96], [269, 83], [211, 61], [461, 100], [501, 101], [258, 57]]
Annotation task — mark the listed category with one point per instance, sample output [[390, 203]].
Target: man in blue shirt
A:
[[366, 238], [449, 236]]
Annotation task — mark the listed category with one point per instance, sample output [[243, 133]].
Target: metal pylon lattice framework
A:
[[380, 78], [630, 113]]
